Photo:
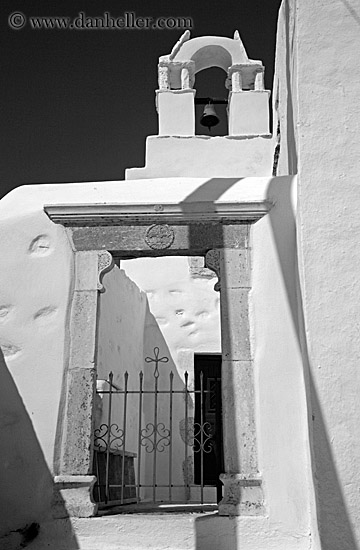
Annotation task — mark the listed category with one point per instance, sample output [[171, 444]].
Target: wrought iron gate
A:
[[148, 416]]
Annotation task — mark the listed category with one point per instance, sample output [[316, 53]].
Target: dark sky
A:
[[77, 104]]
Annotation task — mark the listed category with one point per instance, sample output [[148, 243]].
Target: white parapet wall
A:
[[205, 156]]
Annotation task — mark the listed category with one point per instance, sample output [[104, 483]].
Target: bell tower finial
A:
[[183, 38]]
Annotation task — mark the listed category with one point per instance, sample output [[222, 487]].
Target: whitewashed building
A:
[[99, 276]]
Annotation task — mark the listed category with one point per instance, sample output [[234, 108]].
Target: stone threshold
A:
[[158, 509]]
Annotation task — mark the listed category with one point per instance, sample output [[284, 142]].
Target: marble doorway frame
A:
[[101, 233]]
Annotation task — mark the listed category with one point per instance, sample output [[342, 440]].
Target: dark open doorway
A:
[[208, 412]]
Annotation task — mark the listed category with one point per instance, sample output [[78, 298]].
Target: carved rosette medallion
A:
[[159, 237]]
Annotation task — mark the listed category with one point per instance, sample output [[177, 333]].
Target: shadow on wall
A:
[[211, 191], [213, 532], [335, 530], [26, 484]]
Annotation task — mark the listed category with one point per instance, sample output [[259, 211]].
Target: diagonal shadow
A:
[[207, 534], [335, 529], [352, 11], [26, 484], [334, 526], [210, 192]]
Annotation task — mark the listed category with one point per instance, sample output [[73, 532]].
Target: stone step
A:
[[149, 531]]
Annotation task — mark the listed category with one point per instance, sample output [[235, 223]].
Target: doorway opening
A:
[[208, 412], [158, 432]]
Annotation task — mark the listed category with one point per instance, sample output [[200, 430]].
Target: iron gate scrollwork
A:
[[123, 476]]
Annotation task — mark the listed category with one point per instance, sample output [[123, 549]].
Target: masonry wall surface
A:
[[25, 480], [186, 307], [35, 291], [35, 275], [320, 80], [120, 347], [204, 156]]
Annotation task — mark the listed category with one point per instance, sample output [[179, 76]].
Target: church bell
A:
[[209, 117]]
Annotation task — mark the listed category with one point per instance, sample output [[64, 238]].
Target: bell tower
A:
[[248, 101], [247, 150]]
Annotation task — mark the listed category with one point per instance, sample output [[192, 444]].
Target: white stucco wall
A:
[[285, 90], [122, 312], [283, 439], [25, 480], [321, 78], [121, 322], [204, 156], [35, 276], [187, 308]]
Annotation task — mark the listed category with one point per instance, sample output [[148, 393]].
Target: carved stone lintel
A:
[[212, 261], [242, 497], [105, 264], [73, 497]]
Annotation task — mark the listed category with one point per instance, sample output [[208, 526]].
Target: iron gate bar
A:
[[154, 437], [126, 376], [201, 437], [170, 428], [98, 478], [186, 439], [108, 442], [141, 376], [156, 360]]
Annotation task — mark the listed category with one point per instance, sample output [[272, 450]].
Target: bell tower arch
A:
[[248, 101]]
